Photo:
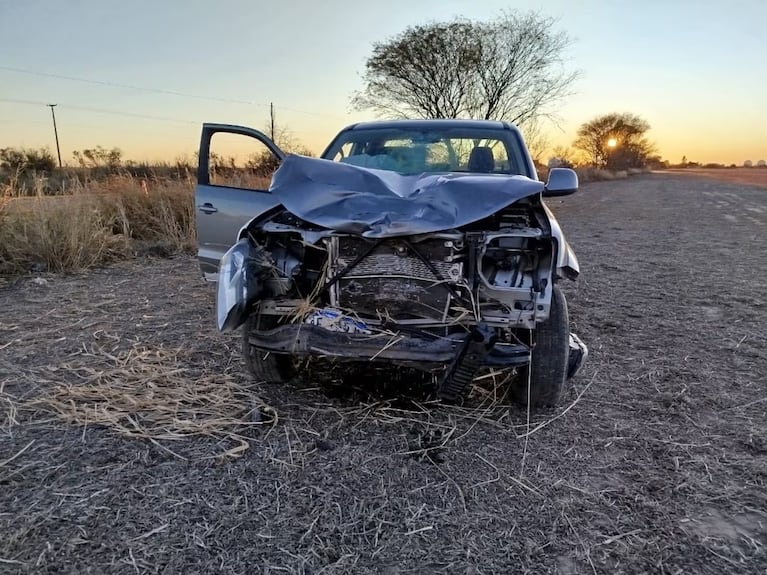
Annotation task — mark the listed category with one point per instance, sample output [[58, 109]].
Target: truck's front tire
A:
[[548, 367], [265, 366]]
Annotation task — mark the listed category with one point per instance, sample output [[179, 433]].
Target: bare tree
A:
[[561, 157], [265, 163], [615, 141], [99, 157], [536, 139], [510, 68], [284, 137]]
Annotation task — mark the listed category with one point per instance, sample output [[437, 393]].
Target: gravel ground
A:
[[130, 442]]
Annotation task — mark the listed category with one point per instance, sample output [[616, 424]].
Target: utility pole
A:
[[55, 132], [271, 121]]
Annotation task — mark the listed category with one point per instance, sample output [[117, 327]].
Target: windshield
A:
[[484, 151]]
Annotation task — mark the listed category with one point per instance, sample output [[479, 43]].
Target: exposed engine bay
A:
[[456, 278]]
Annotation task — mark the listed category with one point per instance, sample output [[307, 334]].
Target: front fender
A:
[[567, 263], [238, 286]]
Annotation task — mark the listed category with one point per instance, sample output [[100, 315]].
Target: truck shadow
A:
[[355, 383]]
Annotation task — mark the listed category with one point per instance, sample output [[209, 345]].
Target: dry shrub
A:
[[155, 212], [56, 234], [587, 174], [238, 178], [5, 201], [598, 175], [95, 224]]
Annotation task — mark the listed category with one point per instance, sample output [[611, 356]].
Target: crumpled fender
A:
[[567, 263], [238, 285]]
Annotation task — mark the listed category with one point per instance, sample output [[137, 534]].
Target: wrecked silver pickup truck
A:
[[419, 243]]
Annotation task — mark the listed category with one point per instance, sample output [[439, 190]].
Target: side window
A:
[[500, 155], [239, 161]]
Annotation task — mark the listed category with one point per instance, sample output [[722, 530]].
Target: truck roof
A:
[[422, 124]]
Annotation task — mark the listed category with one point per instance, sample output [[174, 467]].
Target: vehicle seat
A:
[[481, 160]]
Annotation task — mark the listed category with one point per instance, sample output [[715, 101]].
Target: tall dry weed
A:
[[94, 224], [160, 213], [56, 234]]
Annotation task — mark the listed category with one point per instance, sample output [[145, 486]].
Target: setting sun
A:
[[612, 142]]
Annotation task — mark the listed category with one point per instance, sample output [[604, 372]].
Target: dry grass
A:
[[57, 235], [153, 212], [598, 175], [8, 411], [94, 225], [153, 394]]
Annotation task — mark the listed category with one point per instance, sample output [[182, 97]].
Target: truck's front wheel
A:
[[547, 371], [265, 366]]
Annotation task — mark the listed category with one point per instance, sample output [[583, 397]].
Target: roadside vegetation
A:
[[93, 223], [63, 220], [107, 209], [104, 209]]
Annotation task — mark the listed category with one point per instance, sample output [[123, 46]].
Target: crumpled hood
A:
[[379, 203]]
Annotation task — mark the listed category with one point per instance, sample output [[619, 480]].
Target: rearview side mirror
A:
[[562, 182]]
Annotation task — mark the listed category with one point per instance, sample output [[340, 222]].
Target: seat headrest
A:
[[481, 160]]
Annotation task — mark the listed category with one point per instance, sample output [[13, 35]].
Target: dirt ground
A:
[[749, 176], [656, 461]]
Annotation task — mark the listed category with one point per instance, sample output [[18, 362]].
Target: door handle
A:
[[208, 208]]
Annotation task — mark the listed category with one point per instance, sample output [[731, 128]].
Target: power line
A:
[[116, 113], [102, 111], [125, 86], [156, 90], [24, 122]]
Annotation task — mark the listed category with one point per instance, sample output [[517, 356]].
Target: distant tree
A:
[[288, 142], [536, 139], [99, 157], [684, 161], [615, 141], [657, 163], [510, 68], [12, 160], [562, 158], [20, 161], [265, 163], [748, 164], [761, 164]]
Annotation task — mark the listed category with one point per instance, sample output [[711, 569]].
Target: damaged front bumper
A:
[[311, 340], [243, 275]]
